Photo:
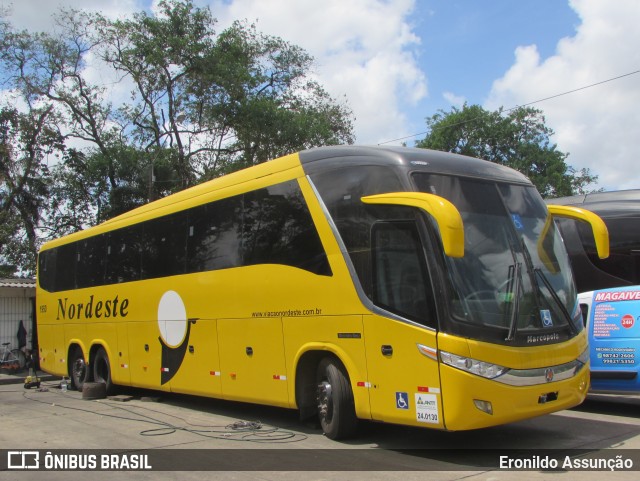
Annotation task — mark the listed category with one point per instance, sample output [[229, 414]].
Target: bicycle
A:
[[13, 360]]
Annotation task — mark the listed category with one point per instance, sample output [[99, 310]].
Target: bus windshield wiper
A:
[[556, 299], [537, 272], [514, 293]]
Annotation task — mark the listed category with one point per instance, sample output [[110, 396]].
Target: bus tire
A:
[[102, 370], [336, 409], [93, 390], [78, 369]]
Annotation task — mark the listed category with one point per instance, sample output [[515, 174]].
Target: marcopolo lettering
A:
[[93, 308]]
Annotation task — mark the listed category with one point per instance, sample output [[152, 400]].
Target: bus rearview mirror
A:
[[599, 228], [444, 212]]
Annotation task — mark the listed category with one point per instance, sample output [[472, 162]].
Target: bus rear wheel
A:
[[336, 409], [78, 369], [102, 370]]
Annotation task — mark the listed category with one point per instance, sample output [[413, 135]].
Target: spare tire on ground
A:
[[94, 390]]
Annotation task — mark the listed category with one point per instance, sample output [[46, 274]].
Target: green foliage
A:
[[518, 139], [263, 101], [203, 103], [25, 141]]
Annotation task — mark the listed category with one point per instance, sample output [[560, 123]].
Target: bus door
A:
[[145, 354], [402, 348], [252, 360], [199, 371]]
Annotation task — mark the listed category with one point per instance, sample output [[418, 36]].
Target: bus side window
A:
[[400, 278], [622, 267], [214, 235], [65, 273], [123, 255], [341, 191], [91, 262], [624, 238], [47, 269], [278, 229], [164, 246]]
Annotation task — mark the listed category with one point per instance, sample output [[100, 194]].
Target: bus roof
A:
[[620, 203], [328, 158], [306, 162]]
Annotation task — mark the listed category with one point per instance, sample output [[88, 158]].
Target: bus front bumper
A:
[[480, 402]]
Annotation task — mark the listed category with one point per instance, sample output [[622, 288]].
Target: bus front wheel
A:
[[336, 409], [102, 370]]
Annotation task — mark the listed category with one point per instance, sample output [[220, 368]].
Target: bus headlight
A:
[[584, 357], [479, 368]]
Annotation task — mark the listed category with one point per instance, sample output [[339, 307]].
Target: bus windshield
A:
[[514, 284]]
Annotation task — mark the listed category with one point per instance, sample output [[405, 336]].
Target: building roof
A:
[[18, 283]]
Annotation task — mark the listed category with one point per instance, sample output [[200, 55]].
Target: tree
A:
[[203, 103], [260, 97], [159, 54], [50, 70], [25, 140], [219, 101], [518, 138]]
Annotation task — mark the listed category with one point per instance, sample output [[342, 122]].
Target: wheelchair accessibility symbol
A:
[[517, 221], [402, 400]]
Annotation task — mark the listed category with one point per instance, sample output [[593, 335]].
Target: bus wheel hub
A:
[[324, 398]]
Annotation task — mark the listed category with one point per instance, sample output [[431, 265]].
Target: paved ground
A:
[[247, 442], [19, 378]]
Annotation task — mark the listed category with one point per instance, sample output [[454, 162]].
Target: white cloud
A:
[[598, 125], [453, 99], [363, 50], [36, 15]]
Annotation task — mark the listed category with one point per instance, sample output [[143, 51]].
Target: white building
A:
[[17, 303]]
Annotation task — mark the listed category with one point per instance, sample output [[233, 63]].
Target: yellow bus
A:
[[389, 284]]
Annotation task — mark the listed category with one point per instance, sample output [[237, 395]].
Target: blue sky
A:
[[397, 62], [467, 44]]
